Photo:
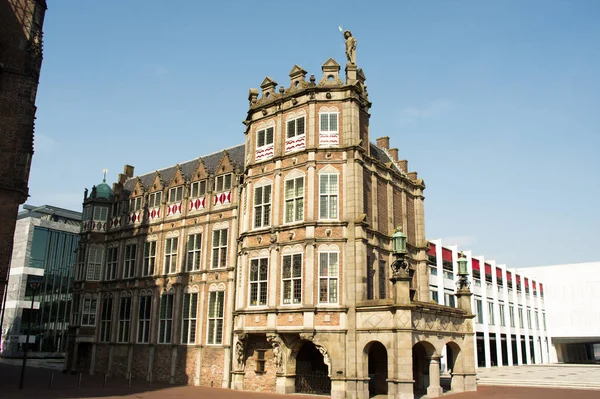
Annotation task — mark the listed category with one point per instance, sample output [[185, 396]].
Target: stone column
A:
[[434, 390], [401, 284]]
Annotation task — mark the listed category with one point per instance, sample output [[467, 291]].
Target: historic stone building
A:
[[20, 62], [272, 266]]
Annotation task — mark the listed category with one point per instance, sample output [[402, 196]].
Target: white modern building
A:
[[509, 305], [571, 299]]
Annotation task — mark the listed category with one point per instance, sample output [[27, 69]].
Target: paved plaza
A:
[[65, 386]]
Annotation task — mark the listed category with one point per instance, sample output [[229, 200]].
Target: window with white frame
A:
[[144, 317], [154, 199], [129, 263], [124, 318], [215, 317], [502, 322], [328, 277], [194, 252], [171, 254], [449, 299], [165, 318], [94, 263], [262, 206], [149, 258], [521, 317], [100, 213], [295, 127], [135, 204], [198, 189], [479, 308], [294, 200], [258, 281], [491, 313], [223, 183], [291, 275], [529, 318], [219, 249], [88, 312], [105, 319], [511, 314], [328, 129], [112, 259], [328, 196], [87, 213], [537, 320], [175, 195], [433, 294], [190, 310], [264, 139]]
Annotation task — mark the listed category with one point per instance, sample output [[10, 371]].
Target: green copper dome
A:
[[103, 190]]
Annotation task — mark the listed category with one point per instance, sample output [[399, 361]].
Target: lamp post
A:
[[462, 283], [399, 250], [34, 282]]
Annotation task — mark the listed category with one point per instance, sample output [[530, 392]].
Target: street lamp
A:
[[399, 250], [463, 282], [34, 282]]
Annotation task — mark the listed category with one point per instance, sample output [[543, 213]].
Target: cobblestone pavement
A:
[[551, 375], [37, 381]]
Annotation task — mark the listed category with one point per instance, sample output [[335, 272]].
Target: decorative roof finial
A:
[[105, 172]]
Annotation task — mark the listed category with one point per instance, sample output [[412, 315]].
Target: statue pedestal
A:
[[237, 382], [285, 384], [401, 281], [351, 74]]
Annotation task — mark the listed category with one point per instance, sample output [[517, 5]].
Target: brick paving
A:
[[65, 387]]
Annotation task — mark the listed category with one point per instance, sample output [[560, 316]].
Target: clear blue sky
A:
[[495, 103]]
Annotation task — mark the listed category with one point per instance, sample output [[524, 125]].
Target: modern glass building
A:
[[45, 241]]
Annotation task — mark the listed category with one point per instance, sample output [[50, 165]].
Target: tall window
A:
[[382, 280], [434, 294], [328, 196], [295, 127], [215, 317], [175, 194], [502, 323], [292, 278], [124, 319], [219, 249], [537, 320], [94, 263], [329, 122], [194, 252], [521, 318], [135, 204], [294, 200], [529, 318], [479, 307], [117, 208], [449, 299], [190, 310], [491, 313], [112, 258], [165, 319], [171, 254], [149, 258], [88, 313], [264, 137], [223, 183], [328, 277], [144, 317], [129, 264], [198, 189], [75, 309], [262, 206], [511, 314], [105, 319], [258, 281], [87, 213], [154, 199], [100, 213]]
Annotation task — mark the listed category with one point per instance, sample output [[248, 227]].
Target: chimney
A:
[[393, 152], [383, 142], [128, 170], [403, 165], [412, 176]]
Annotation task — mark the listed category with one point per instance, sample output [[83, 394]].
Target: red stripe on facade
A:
[[508, 276], [498, 272], [446, 254], [475, 263], [526, 281], [431, 249], [541, 288], [488, 269]]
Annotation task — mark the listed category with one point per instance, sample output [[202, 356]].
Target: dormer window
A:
[[264, 144], [175, 194], [135, 204], [223, 183], [154, 199], [198, 189]]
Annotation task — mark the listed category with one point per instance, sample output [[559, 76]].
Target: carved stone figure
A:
[[275, 342], [350, 47], [239, 355], [326, 358]]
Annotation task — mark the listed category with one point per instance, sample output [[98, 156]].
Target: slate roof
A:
[[211, 161], [382, 156]]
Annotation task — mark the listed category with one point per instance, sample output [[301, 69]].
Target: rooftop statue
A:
[[350, 47]]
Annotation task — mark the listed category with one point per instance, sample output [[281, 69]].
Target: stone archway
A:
[[454, 368], [426, 370], [377, 368], [312, 371]]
